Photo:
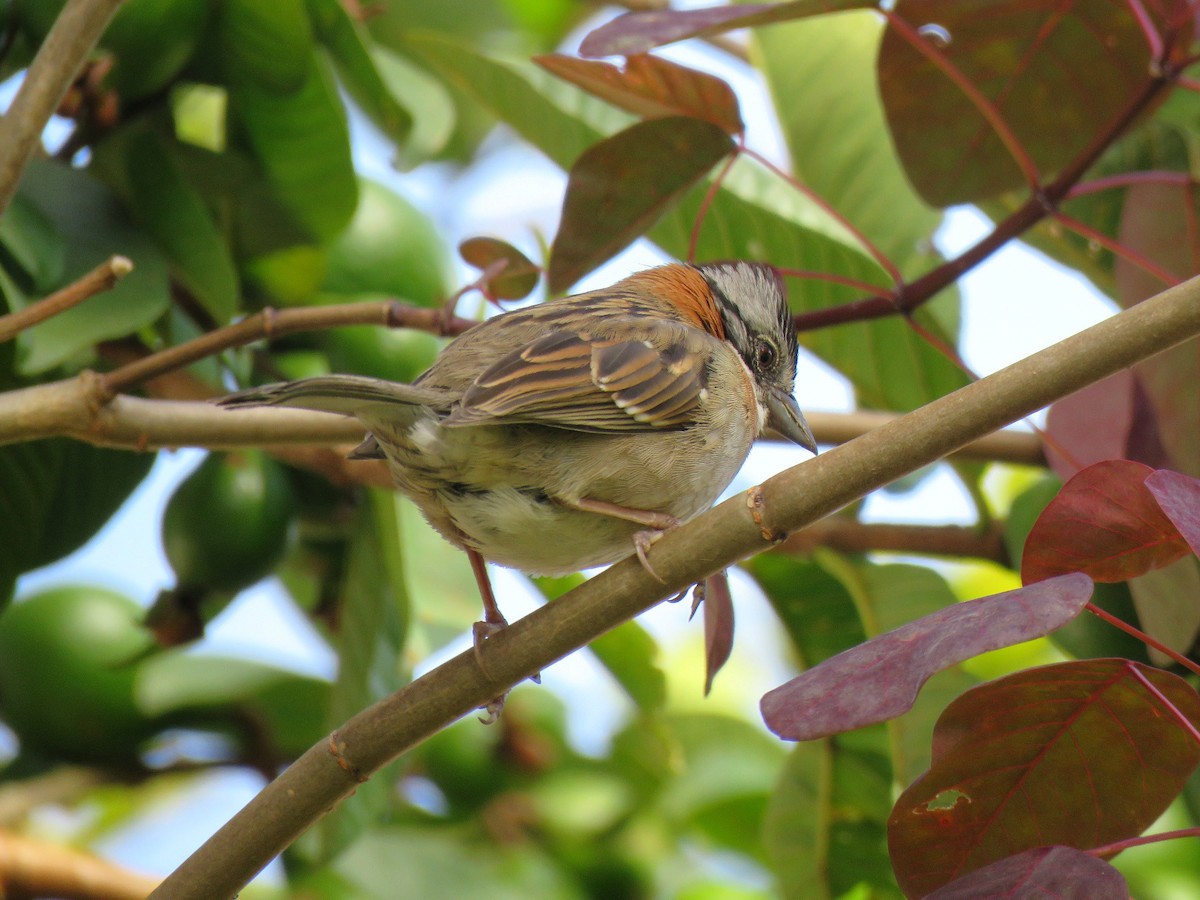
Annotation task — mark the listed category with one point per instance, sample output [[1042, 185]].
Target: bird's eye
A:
[[764, 354]]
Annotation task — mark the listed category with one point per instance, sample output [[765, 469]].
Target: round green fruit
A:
[[228, 524], [398, 354], [389, 247], [68, 660]]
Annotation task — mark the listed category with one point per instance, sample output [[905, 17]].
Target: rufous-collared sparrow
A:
[[569, 434]]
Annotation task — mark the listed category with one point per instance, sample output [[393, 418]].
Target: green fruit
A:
[[228, 525], [390, 248], [67, 667], [398, 354]]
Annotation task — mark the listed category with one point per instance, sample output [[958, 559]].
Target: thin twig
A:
[[853, 536], [277, 322], [100, 279], [58, 61]]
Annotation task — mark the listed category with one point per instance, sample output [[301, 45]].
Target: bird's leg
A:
[[493, 621], [657, 524]]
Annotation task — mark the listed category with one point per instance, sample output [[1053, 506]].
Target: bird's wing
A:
[[581, 382]]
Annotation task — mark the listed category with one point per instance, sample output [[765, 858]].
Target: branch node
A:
[[756, 502], [268, 321], [337, 749]]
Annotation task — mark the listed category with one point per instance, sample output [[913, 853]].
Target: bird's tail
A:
[[346, 395]]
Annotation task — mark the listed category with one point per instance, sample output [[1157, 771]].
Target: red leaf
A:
[[652, 88], [619, 187], [638, 32], [1045, 872], [1105, 523], [1111, 419], [718, 626], [1178, 497], [879, 679], [1079, 753], [1159, 222], [1025, 58], [515, 280]]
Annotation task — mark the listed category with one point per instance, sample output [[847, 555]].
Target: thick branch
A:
[[81, 408], [58, 61], [740, 526]]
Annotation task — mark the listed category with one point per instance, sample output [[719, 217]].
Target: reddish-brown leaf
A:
[[1063, 873], [651, 87], [1056, 73], [619, 187], [1161, 223], [1104, 522], [638, 32], [1178, 497], [512, 281], [718, 626], [879, 679], [1080, 753], [1111, 419]]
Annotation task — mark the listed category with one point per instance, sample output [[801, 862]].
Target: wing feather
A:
[[577, 381]]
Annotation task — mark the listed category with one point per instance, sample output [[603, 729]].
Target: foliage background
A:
[[228, 175]]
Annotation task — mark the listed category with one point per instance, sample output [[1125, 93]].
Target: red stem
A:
[[1143, 637], [1117, 847], [1167, 704], [1131, 256], [878, 255], [1125, 179]]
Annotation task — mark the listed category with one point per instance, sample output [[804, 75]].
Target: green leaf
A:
[[54, 495], [268, 43], [727, 771], [428, 101], [33, 244], [373, 627], [824, 829], [821, 75], [302, 140], [290, 707], [176, 216], [630, 654], [350, 47], [447, 864], [93, 226]]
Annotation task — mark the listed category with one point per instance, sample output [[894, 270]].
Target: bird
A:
[[573, 433]]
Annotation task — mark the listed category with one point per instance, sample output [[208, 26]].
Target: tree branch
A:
[[853, 536], [742, 525], [101, 278], [58, 61], [32, 868], [82, 408]]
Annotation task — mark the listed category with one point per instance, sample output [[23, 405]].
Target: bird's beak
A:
[[783, 414]]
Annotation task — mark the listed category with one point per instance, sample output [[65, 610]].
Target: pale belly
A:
[[507, 492]]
